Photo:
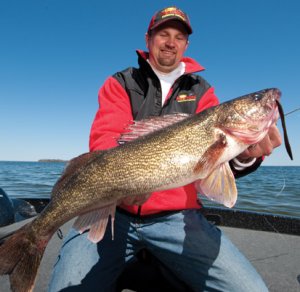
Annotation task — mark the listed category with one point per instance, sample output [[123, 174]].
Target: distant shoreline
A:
[[51, 160]]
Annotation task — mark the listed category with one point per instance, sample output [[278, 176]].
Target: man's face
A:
[[166, 46]]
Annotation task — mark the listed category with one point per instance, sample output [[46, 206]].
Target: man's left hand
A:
[[265, 147]]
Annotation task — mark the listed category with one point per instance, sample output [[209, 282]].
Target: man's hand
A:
[[265, 147]]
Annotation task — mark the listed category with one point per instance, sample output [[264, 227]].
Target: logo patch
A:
[[185, 97]]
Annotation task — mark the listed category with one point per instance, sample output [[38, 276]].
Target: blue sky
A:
[[55, 55]]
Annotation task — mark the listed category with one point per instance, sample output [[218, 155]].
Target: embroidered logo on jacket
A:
[[185, 96]]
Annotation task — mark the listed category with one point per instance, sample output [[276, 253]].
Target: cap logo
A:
[[172, 12]]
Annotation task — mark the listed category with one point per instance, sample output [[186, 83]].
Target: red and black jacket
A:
[[134, 94]]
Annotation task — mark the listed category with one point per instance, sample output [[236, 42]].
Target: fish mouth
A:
[[255, 116]]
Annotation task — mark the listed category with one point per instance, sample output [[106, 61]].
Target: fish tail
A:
[[20, 257]]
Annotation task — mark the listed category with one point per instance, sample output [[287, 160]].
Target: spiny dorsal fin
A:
[[149, 125]]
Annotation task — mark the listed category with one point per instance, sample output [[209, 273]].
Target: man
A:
[[169, 223]]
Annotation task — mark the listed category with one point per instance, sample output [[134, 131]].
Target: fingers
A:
[[275, 136], [271, 141], [265, 147]]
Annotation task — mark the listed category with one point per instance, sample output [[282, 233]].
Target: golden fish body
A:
[[170, 157], [194, 149]]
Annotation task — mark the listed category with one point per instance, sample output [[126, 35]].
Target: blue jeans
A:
[[196, 251]]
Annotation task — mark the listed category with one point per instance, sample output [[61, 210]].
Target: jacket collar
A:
[[191, 66]]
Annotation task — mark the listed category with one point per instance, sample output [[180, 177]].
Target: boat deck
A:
[[275, 255]]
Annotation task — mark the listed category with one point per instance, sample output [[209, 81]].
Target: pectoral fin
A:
[[219, 186], [96, 222]]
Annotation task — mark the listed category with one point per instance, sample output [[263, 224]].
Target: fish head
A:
[[249, 117]]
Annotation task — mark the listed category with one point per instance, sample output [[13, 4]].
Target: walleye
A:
[[193, 149]]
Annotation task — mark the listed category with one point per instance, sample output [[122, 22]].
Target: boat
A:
[[270, 242]]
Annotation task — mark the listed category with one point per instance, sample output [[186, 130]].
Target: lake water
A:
[[271, 189]]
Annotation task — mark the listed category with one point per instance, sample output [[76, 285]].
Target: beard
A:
[[167, 60]]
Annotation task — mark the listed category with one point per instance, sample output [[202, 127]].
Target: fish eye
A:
[[257, 96]]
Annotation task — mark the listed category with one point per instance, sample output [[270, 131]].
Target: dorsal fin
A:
[[149, 125]]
